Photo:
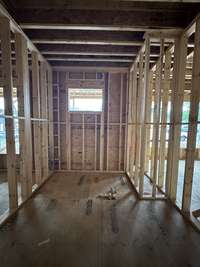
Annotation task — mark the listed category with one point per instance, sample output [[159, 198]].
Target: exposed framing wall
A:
[[169, 80], [32, 78], [90, 140]]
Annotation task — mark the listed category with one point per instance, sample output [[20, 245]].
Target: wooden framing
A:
[[95, 143], [44, 115], [193, 120], [180, 53], [17, 76], [83, 142], [120, 123], [121, 140], [50, 111], [157, 103], [165, 99], [9, 123], [148, 120], [144, 114], [134, 118], [26, 133], [68, 128], [108, 123], [36, 114], [138, 133]]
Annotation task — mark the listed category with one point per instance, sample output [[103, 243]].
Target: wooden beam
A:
[[165, 99], [50, 111], [83, 142], [92, 49], [9, 123], [90, 59], [24, 87], [120, 121], [86, 42], [48, 26], [148, 120], [86, 53], [102, 129], [36, 114], [130, 88], [83, 64], [143, 115], [157, 103], [44, 115], [193, 119], [68, 127], [132, 119], [138, 133], [180, 54], [108, 123]]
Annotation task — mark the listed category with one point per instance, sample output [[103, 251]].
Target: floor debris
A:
[[110, 195], [43, 242]]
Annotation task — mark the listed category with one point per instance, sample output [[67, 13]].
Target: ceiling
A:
[[96, 33]]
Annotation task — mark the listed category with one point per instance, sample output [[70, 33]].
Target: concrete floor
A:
[[67, 224]]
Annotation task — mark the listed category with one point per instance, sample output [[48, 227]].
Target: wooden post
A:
[[44, 113], [193, 122], [126, 123], [120, 122], [138, 134], [95, 142], [144, 115], [36, 114], [130, 89], [102, 130], [180, 54], [83, 142], [165, 98], [68, 128], [9, 122], [108, 122], [148, 121], [24, 90], [50, 109], [133, 121], [157, 118], [155, 100]]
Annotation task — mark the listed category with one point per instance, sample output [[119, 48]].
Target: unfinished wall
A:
[[90, 140]]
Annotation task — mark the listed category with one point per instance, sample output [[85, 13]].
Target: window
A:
[[2, 122], [83, 99]]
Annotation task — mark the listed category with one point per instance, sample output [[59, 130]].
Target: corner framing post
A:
[[9, 122]]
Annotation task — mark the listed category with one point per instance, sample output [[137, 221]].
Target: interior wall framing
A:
[[153, 160], [90, 140], [33, 83]]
